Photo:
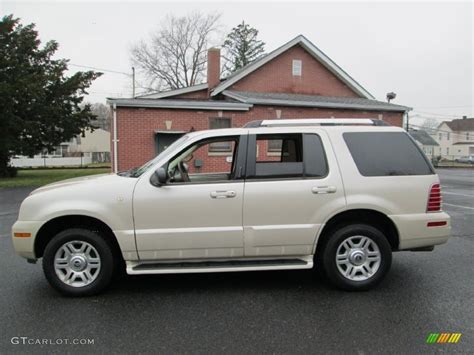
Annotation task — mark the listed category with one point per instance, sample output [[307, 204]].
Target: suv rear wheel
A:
[[356, 257], [78, 262]]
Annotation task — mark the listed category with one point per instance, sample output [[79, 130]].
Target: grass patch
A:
[[40, 177]]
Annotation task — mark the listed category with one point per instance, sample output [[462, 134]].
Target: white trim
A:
[[297, 67], [186, 90], [170, 132], [182, 104], [115, 141], [314, 51]]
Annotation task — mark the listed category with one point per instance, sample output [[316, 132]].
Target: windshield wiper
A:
[[128, 173]]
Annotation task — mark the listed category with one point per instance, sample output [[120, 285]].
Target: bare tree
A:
[[430, 125], [103, 116], [175, 54]]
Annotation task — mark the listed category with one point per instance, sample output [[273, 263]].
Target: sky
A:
[[423, 51]]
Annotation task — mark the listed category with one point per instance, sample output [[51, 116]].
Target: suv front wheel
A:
[[356, 257], [78, 262]]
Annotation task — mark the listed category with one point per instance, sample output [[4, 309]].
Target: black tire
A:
[[329, 252], [107, 261]]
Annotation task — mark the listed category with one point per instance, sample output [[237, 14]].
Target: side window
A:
[[314, 156], [386, 154], [194, 165], [297, 156]]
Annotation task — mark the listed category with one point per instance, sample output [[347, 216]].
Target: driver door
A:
[[197, 214]]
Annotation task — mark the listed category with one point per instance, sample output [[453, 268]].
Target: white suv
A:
[[274, 195]]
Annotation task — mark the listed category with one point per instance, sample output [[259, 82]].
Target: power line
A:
[[101, 69], [416, 115], [436, 114], [430, 107], [437, 130]]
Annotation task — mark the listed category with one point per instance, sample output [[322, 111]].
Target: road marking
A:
[[454, 193], [449, 204], [7, 213]]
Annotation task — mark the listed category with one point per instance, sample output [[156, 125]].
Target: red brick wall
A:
[[315, 78], [136, 127]]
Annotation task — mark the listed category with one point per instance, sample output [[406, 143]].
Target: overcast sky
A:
[[422, 51]]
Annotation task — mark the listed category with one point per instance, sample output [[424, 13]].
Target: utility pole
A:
[[133, 82]]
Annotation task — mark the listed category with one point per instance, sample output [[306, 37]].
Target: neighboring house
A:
[[456, 138], [94, 147], [95, 144], [296, 80], [429, 146]]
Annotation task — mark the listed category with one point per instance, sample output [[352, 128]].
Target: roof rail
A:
[[316, 122]]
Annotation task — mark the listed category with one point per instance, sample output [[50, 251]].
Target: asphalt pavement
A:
[[254, 312]]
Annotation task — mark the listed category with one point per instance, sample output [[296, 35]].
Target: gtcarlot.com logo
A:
[[441, 338], [50, 341]]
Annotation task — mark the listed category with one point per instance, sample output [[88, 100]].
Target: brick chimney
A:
[[213, 68]]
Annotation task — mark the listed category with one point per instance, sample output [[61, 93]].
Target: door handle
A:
[[324, 189], [223, 194]]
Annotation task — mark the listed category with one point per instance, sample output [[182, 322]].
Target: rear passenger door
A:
[[292, 186]]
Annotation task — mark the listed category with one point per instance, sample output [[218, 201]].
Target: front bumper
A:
[[414, 232], [25, 246]]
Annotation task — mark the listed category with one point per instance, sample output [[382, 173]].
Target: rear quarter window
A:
[[386, 154]]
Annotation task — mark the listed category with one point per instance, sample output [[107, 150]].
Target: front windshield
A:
[[136, 172]]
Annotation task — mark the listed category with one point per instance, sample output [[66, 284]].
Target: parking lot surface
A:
[[269, 312]]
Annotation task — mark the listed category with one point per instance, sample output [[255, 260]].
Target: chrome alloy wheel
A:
[[358, 258], [77, 263]]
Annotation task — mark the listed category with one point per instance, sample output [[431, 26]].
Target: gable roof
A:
[[308, 46], [281, 99], [423, 137], [180, 91], [464, 124]]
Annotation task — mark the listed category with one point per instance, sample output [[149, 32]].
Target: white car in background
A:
[[343, 194], [467, 159]]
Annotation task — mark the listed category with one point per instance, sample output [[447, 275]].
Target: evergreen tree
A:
[[241, 47], [39, 106]]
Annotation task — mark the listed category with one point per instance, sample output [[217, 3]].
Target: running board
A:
[[135, 268]]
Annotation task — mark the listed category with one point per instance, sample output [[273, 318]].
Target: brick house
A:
[[296, 80]]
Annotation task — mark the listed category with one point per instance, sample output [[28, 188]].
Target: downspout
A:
[[115, 140]]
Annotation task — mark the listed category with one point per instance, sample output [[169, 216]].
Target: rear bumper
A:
[[414, 232], [25, 246]]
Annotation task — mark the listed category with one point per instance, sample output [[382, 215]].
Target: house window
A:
[[297, 67], [440, 136], [447, 136], [217, 123], [467, 136], [447, 151], [274, 145]]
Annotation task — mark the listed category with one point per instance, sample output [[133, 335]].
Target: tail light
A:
[[434, 200]]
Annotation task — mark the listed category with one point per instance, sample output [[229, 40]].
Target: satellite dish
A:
[[391, 96]]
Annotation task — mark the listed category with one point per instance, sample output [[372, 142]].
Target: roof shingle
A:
[[283, 99], [464, 124], [423, 137]]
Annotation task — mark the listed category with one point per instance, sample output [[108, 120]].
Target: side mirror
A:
[[160, 177]]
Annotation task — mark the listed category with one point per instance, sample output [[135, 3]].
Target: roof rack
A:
[[316, 122]]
